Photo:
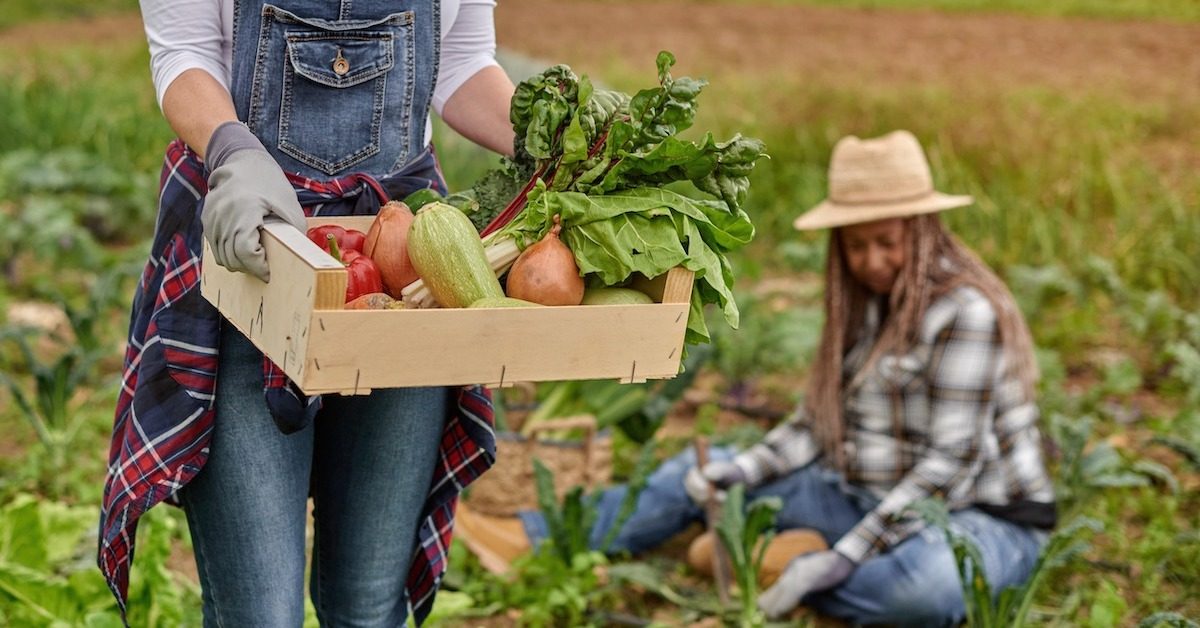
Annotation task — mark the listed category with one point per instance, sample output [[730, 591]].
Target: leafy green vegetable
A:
[[649, 231], [603, 160]]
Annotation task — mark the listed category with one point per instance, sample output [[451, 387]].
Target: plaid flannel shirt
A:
[[165, 410], [942, 420]]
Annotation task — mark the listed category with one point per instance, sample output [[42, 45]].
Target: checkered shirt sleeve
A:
[[787, 447]]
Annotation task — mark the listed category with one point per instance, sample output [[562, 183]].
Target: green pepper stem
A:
[[334, 250]]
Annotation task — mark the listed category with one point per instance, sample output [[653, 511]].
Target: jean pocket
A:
[[340, 87]]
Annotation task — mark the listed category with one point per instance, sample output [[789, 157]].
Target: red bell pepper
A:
[[347, 239], [362, 273]]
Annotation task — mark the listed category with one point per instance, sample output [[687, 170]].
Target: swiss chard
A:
[[603, 160]]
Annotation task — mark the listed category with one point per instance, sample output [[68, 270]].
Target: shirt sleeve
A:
[[468, 47], [182, 35], [961, 377], [787, 447]]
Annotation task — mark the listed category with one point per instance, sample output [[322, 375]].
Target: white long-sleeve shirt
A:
[[187, 34]]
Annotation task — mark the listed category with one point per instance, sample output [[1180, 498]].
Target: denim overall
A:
[[336, 87], [331, 89]]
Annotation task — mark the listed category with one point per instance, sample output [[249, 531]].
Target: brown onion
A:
[[387, 246], [546, 272]]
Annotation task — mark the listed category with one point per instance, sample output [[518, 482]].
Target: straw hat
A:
[[874, 179]]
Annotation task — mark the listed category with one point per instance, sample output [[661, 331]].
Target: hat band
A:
[[890, 201]]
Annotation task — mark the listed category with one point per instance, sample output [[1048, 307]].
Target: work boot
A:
[[496, 541], [785, 546]]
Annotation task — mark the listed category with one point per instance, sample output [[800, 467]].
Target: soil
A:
[[832, 46], [509, 486]]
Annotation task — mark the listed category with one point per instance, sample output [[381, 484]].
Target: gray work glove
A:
[[718, 474], [245, 188], [806, 574]]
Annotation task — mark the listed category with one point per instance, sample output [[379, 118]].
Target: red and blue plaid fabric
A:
[[165, 409]]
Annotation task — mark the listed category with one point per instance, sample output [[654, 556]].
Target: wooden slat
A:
[[275, 315], [362, 350], [678, 287]]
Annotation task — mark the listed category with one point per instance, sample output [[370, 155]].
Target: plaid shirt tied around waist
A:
[[165, 407], [942, 420]]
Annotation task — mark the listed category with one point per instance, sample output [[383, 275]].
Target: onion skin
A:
[[387, 246], [546, 273]]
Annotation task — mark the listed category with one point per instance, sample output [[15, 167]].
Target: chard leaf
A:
[[548, 115], [730, 179], [666, 162], [646, 230], [663, 111], [575, 143], [612, 238]]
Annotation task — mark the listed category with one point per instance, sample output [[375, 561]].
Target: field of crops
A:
[[1075, 123]]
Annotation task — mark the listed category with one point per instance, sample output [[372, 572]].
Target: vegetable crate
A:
[[298, 321]]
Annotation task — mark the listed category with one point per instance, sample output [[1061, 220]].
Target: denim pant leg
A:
[[917, 583], [373, 464], [246, 509], [813, 497]]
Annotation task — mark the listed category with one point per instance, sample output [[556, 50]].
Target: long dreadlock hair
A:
[[937, 263]]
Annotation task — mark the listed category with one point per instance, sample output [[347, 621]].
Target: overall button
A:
[[340, 65]]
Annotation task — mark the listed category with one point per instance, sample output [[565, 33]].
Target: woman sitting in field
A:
[[924, 386]]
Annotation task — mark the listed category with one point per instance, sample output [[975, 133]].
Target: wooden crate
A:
[[297, 320]]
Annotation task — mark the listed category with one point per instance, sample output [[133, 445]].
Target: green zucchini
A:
[[503, 302], [448, 255]]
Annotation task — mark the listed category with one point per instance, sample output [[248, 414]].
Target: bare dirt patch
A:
[[94, 31], [1139, 60]]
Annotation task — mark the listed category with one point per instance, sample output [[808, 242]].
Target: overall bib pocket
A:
[[343, 83]]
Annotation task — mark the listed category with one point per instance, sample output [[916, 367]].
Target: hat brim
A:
[[831, 214]]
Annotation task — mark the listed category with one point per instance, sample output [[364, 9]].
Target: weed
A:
[[993, 609], [745, 533]]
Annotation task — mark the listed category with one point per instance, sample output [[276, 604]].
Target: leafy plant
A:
[[1185, 370], [52, 389], [52, 408], [570, 524], [1167, 618], [1083, 469], [48, 576], [772, 338], [1108, 607], [638, 410], [985, 607], [560, 583], [647, 577], [745, 533]]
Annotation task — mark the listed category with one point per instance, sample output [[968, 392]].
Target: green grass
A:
[[21, 11], [74, 98]]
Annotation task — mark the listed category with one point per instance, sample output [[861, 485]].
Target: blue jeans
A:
[[913, 584], [367, 461]]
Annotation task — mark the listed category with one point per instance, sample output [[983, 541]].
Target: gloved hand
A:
[[806, 574], [245, 187], [719, 474]]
